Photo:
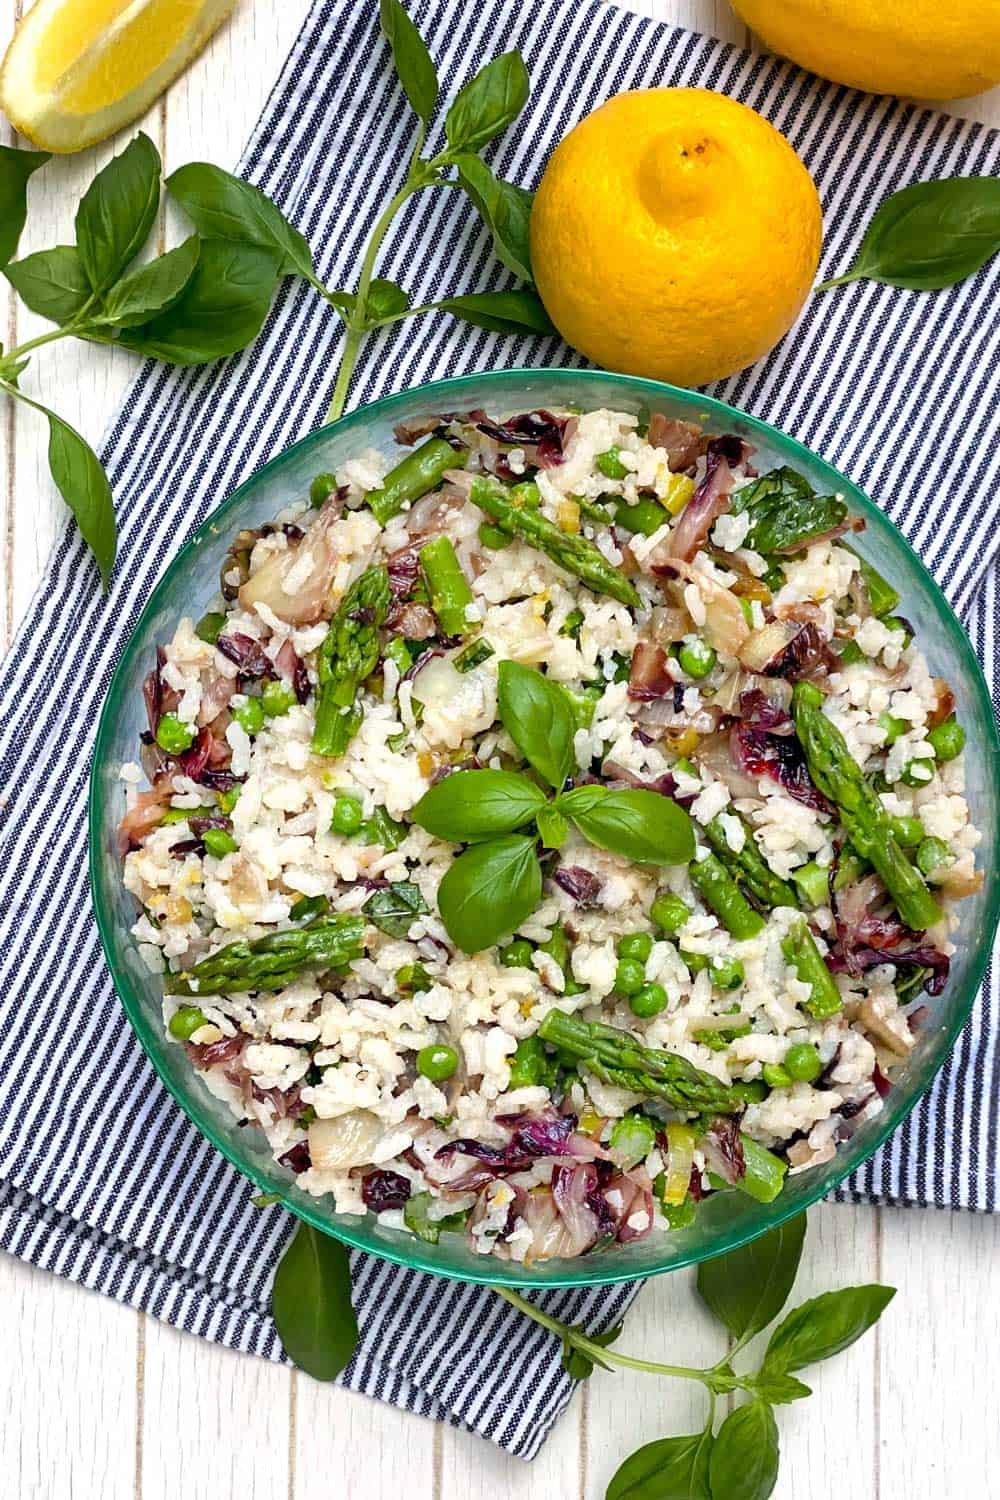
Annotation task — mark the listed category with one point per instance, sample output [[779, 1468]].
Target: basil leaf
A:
[[579, 1365], [221, 309], [474, 804], [487, 103], [639, 825], [117, 212], [552, 827], [410, 57], [777, 1390], [394, 910], [744, 1462], [824, 1326], [505, 209], [311, 1304], [151, 289], [489, 891], [224, 207], [519, 312], [537, 715], [52, 282], [16, 166], [929, 235], [675, 1468], [385, 300], [747, 1288]]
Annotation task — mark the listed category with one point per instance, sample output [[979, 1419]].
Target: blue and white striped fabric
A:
[[102, 1179]]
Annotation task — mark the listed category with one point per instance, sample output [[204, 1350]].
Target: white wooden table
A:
[[99, 1402]]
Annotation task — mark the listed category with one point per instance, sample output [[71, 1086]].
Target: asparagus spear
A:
[[271, 962], [719, 890], [749, 867], [882, 597], [764, 1173], [868, 825], [447, 585], [574, 553], [785, 512], [800, 949], [616, 1057], [418, 473], [347, 655]]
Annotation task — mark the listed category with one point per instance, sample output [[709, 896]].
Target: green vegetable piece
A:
[[719, 891], [473, 655], [489, 890], [348, 654], [892, 622], [907, 831], [173, 735], [786, 513], [471, 805], [639, 824], [802, 1063], [764, 1175], [218, 843], [276, 698], [399, 653], [648, 1000], [850, 653], [583, 703], [727, 973], [311, 1303], [800, 949], [642, 518], [669, 913], [250, 716], [210, 627], [418, 473], [274, 961], [538, 716], [185, 1021], [882, 597], [635, 945], [813, 883], [553, 828], [947, 740], [321, 488], [632, 1139], [412, 979], [437, 1062], [696, 658], [307, 907], [934, 855], [868, 825], [893, 727], [531, 1066], [229, 798], [916, 772], [346, 817], [395, 909], [493, 537], [574, 553], [571, 625], [616, 1057], [775, 1076], [630, 976], [417, 1218], [447, 585], [383, 830], [184, 814], [517, 955], [748, 867], [610, 464]]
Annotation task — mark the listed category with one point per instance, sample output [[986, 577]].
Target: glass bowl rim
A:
[[600, 1271]]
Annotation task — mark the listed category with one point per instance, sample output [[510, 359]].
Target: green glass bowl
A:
[[725, 1220]]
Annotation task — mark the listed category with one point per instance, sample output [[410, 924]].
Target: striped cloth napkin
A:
[[102, 1179]]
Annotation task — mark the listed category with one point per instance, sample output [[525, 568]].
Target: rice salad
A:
[[547, 829]]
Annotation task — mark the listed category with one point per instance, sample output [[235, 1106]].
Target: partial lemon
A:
[[675, 234], [924, 48], [78, 70]]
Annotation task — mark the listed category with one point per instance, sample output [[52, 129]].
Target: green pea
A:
[[229, 798], [932, 855], [802, 1062], [210, 627], [893, 727], [526, 495], [218, 842], [917, 772], [812, 882], [907, 831], [610, 464], [635, 945], [694, 962], [321, 489], [775, 1076], [727, 973], [947, 740], [630, 976], [250, 715], [697, 658], [647, 1001], [516, 955], [276, 698], [633, 1138], [494, 537], [173, 735], [669, 913], [185, 1021], [347, 815], [437, 1061], [412, 979], [750, 1090]]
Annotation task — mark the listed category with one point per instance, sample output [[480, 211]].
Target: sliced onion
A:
[[437, 682], [765, 646], [348, 1141], [314, 562]]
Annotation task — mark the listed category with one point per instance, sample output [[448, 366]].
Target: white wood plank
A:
[[67, 1389], [372, 1449], [215, 1423]]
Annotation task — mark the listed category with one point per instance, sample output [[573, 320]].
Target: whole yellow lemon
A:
[[675, 234], [935, 49]]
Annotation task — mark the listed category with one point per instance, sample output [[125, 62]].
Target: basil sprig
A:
[[745, 1290], [929, 235], [311, 1303], [497, 883], [210, 296]]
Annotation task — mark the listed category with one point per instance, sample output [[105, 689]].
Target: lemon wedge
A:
[[78, 70]]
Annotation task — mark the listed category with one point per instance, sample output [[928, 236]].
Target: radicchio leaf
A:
[[683, 441], [779, 757], [725, 461], [382, 1190], [246, 653]]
